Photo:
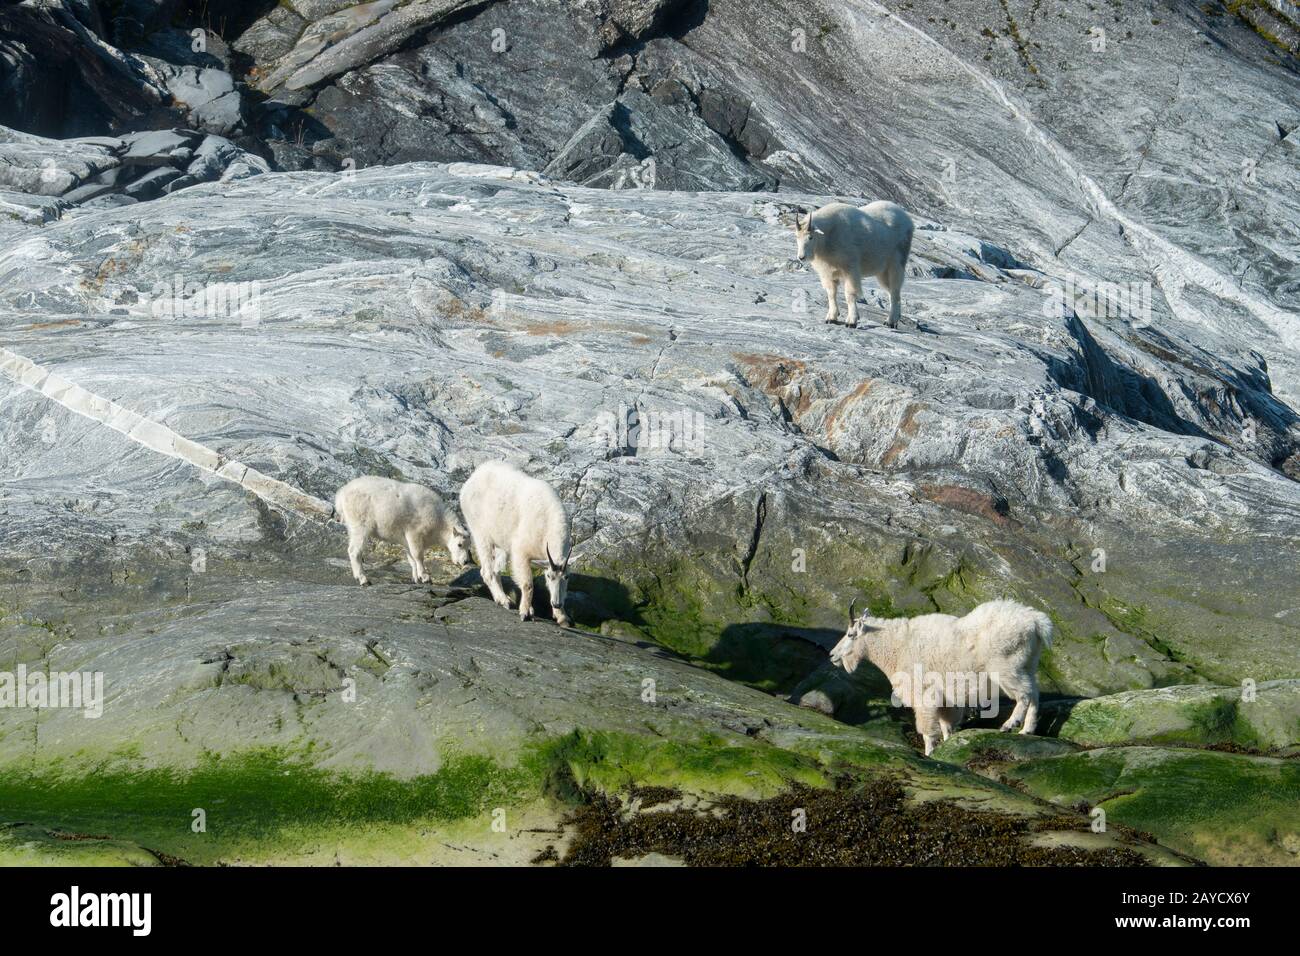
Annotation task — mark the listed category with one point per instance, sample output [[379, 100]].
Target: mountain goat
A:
[[510, 513], [844, 243], [399, 513], [999, 641]]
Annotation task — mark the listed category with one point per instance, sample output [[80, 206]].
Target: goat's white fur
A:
[[400, 513], [1002, 639], [844, 243], [510, 513]]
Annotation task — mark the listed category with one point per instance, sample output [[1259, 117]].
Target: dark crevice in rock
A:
[[1118, 387], [671, 19], [1235, 406], [226, 18], [760, 516]]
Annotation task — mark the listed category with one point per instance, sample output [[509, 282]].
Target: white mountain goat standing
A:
[[843, 243], [512, 514], [999, 640], [399, 513]]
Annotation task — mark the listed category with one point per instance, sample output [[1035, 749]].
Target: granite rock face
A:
[[582, 261], [1071, 135], [737, 470], [107, 170], [63, 77], [969, 114]]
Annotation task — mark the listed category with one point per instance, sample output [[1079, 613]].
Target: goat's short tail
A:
[[1043, 629]]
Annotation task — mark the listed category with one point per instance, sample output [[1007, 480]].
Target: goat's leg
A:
[[357, 544], [487, 570], [928, 724], [1023, 689], [522, 571], [830, 286], [410, 560], [893, 281], [1031, 709], [415, 553], [1018, 714], [852, 292]]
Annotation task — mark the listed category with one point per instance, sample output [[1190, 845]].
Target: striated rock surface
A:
[[583, 263], [737, 470]]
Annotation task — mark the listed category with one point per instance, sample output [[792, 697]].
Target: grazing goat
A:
[[999, 641], [845, 242], [510, 513], [399, 513]]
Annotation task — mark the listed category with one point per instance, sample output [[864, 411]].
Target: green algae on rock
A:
[[250, 801], [978, 748], [1262, 717], [1227, 809]]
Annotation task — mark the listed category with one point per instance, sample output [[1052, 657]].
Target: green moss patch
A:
[[261, 803], [250, 799], [1221, 807], [1264, 718], [611, 762], [981, 749], [767, 618]]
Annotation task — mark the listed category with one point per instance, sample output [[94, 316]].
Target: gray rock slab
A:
[[431, 316], [155, 147], [48, 167]]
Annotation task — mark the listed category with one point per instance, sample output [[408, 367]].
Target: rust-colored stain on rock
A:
[[907, 428], [62, 323], [558, 327], [864, 387], [772, 374], [452, 307], [968, 500]]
